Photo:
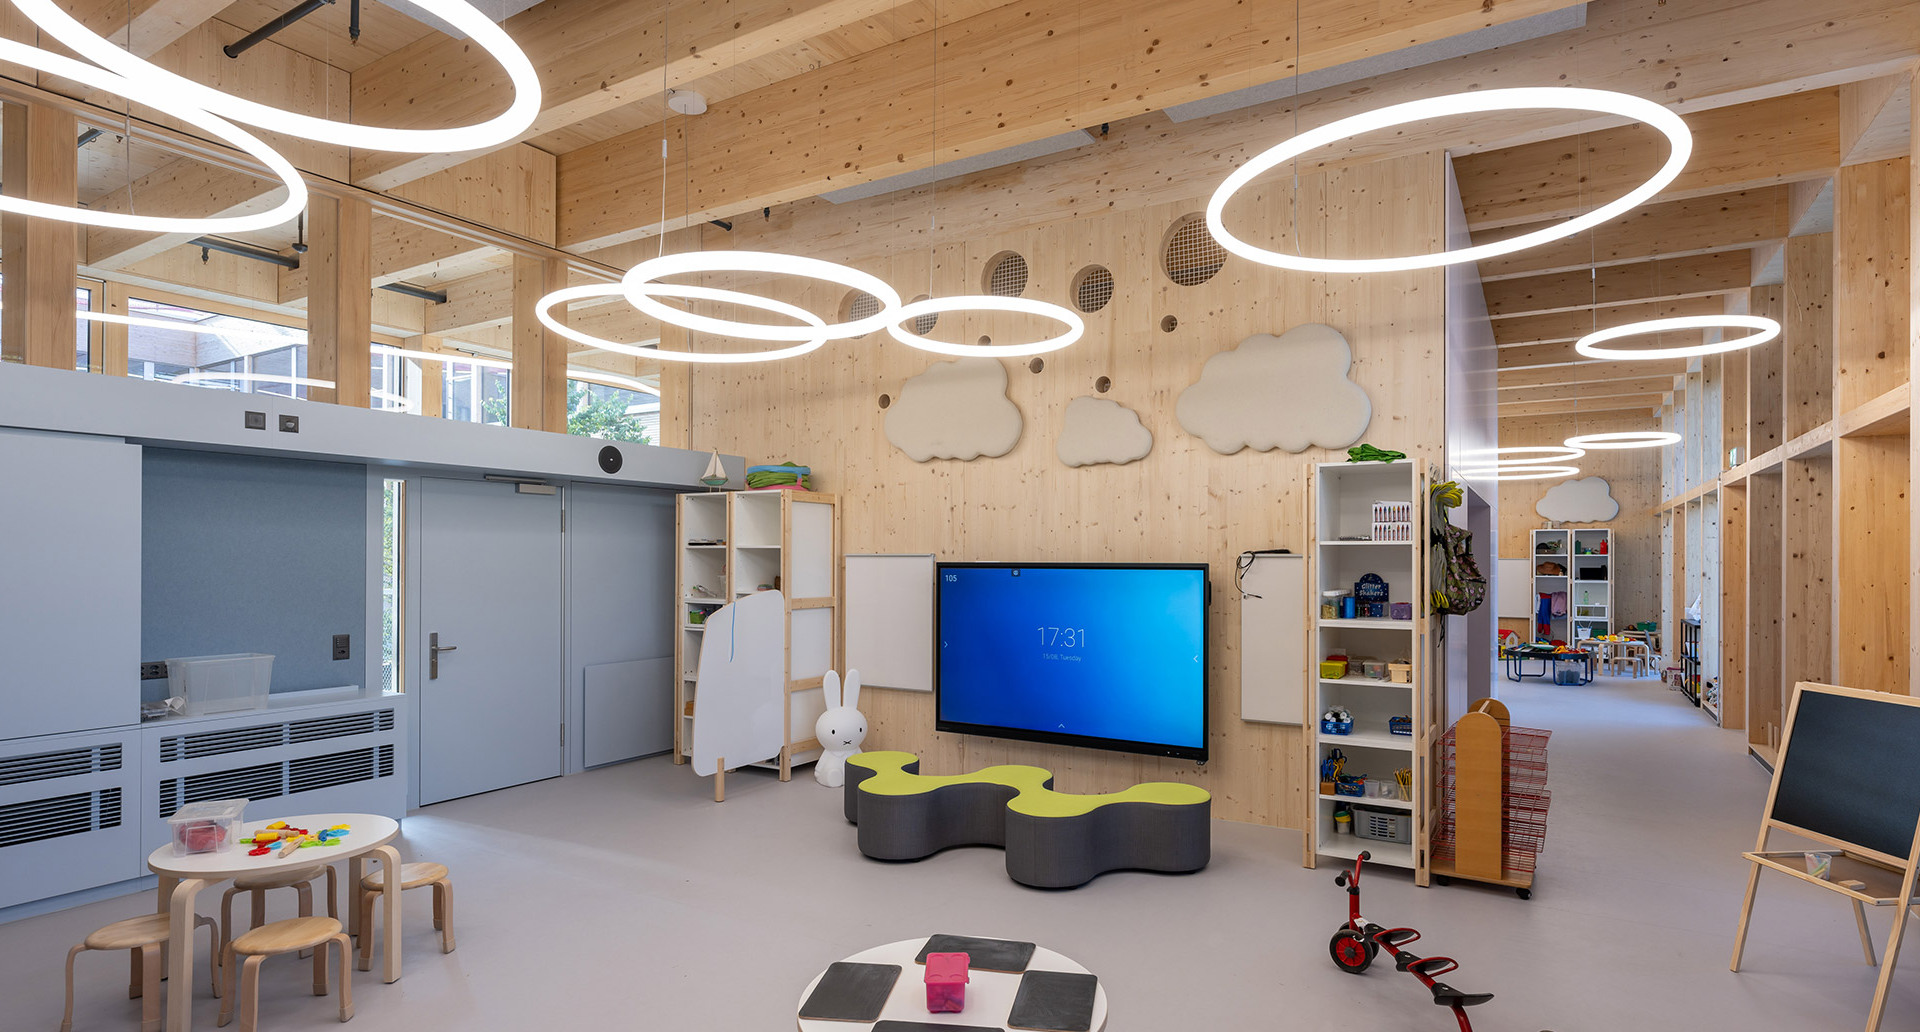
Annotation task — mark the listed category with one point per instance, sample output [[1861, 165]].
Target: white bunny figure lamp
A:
[[840, 729]]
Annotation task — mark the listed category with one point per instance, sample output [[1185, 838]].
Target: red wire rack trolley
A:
[[1493, 800]]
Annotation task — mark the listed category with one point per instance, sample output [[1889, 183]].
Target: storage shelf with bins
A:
[[1586, 557], [736, 543], [1341, 509]]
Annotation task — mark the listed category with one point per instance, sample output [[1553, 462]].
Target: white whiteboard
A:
[[739, 700], [890, 620], [1514, 585], [1273, 639]]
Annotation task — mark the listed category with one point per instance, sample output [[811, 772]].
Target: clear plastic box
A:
[[208, 826], [221, 684]]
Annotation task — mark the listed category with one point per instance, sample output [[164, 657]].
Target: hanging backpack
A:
[[1458, 587]]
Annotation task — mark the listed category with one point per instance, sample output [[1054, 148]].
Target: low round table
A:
[[989, 993], [182, 878]]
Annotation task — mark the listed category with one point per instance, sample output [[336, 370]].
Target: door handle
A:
[[434, 648]]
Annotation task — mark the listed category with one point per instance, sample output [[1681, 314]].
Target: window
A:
[[612, 413], [257, 357], [475, 393]]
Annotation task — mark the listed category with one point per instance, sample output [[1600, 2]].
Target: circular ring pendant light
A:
[[642, 290], [206, 375], [1625, 439], [1764, 329], [989, 303], [816, 326], [626, 383], [1524, 455], [1503, 473], [180, 93], [1555, 98], [150, 94]]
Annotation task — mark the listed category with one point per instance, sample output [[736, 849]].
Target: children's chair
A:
[[300, 879], [289, 936], [373, 886], [143, 936]]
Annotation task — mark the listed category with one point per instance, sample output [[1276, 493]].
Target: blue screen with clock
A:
[[1106, 656]]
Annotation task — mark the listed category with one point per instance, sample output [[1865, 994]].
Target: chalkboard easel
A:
[[1836, 741]]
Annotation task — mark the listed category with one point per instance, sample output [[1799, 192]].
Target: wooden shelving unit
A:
[[735, 543], [1340, 514], [1689, 658]]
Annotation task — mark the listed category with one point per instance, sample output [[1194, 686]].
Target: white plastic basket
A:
[[221, 684]]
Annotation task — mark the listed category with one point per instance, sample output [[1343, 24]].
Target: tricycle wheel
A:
[[1350, 952], [1443, 879], [1524, 893]]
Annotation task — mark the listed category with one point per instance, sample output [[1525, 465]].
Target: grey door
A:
[[491, 590]]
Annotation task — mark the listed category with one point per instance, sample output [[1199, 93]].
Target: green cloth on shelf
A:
[[1368, 453]]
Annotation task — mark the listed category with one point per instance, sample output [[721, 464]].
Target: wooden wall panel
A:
[[1807, 621], [1733, 403], [1732, 563], [1807, 334], [1765, 643], [1634, 474], [1183, 502], [1765, 376], [36, 154], [1871, 569], [1871, 292]]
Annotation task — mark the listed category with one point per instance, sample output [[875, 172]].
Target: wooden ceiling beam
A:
[[592, 56], [770, 147], [401, 251], [144, 26], [1876, 119], [1777, 140], [1591, 371], [183, 185], [1694, 276], [1530, 356], [1668, 229], [1572, 325], [1583, 407], [1595, 389], [1001, 78]]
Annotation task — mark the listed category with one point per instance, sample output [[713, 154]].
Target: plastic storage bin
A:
[[220, 684], [946, 979], [1382, 826], [208, 826]]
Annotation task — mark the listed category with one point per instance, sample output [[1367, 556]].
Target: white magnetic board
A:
[[1515, 588], [890, 620], [1273, 639], [739, 700]]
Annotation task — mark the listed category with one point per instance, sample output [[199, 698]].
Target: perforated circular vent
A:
[[1092, 288], [1006, 275], [924, 324], [859, 305], [1192, 256]]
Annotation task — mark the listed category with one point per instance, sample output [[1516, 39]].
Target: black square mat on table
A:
[[982, 954], [851, 992], [1054, 1001], [924, 1026]]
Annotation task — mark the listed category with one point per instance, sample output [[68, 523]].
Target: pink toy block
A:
[[946, 982]]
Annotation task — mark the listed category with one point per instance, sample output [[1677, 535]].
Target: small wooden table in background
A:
[[182, 878]]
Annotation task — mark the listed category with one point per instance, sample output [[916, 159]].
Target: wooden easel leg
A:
[[1866, 940], [720, 780], [786, 763], [1891, 954], [1746, 913]]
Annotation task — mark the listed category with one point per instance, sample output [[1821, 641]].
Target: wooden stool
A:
[[289, 936], [412, 876], [300, 879], [143, 936]]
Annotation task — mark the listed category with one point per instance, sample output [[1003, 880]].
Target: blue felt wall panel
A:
[[252, 554]]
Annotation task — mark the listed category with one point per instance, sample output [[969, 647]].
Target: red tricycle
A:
[[1358, 941]]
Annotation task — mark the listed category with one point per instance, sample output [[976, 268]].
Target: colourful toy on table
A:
[[947, 982], [281, 840]]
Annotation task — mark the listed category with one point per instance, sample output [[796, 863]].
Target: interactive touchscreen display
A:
[[1099, 655]]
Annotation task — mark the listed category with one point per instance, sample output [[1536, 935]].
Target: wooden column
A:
[[1765, 386], [110, 339], [1913, 362], [1807, 616], [1871, 292], [38, 162], [1808, 334], [340, 301], [1766, 688], [433, 376], [1733, 605], [539, 355]]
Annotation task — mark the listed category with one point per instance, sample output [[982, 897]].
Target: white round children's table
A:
[[182, 878], [989, 993]]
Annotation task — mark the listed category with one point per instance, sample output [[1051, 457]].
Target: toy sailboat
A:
[[714, 476]]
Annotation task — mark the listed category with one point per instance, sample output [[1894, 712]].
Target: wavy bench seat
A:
[[1052, 839]]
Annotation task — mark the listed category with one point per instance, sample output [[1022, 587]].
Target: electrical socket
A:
[[343, 646], [156, 671], [289, 424]]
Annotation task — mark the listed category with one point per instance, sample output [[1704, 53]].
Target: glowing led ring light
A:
[[612, 380], [1524, 455], [1501, 473], [176, 94], [544, 311], [1558, 98], [88, 75], [1764, 329], [643, 290], [987, 303], [1625, 439], [203, 376]]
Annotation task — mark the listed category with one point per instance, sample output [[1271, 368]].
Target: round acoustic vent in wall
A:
[[1192, 255], [1006, 275], [924, 324], [610, 459], [1092, 288], [858, 305]]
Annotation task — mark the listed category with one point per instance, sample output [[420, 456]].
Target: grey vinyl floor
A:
[[625, 899]]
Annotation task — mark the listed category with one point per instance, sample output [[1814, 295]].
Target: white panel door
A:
[[493, 704]]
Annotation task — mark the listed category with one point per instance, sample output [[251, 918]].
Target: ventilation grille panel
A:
[[1007, 275], [341, 768], [1193, 255], [268, 736], [862, 305], [262, 781], [15, 770], [73, 814], [339, 727], [1093, 289]]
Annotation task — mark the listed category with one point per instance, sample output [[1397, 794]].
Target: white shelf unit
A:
[[1587, 557], [774, 539], [1340, 509]]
